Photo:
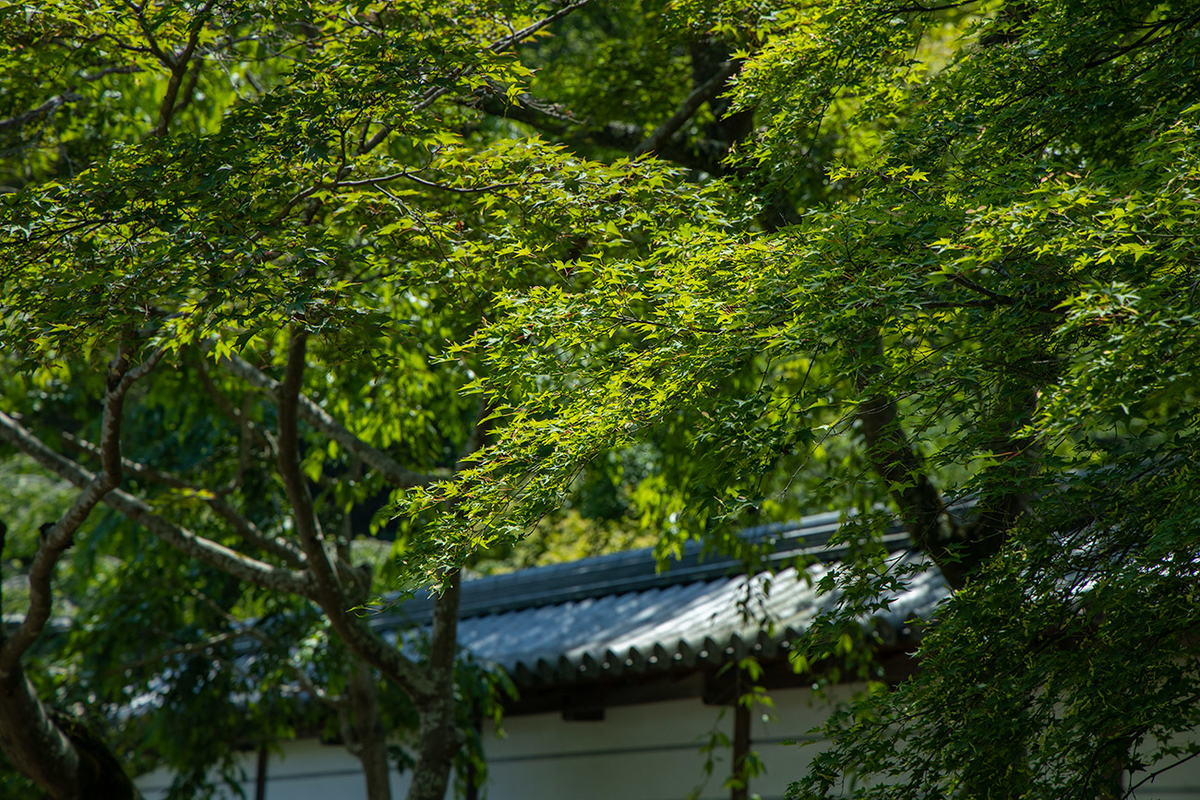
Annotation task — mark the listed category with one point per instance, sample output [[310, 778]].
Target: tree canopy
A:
[[237, 241], [274, 272], [995, 305]]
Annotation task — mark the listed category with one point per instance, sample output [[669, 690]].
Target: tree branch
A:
[[436, 740], [490, 187], [308, 528], [997, 299], [189, 91], [498, 46], [246, 529], [48, 107], [32, 741], [178, 66], [330, 593], [56, 539], [893, 458], [151, 41], [320, 419], [95, 76], [700, 154], [32, 738], [242, 419], [210, 552], [918, 8], [699, 96]]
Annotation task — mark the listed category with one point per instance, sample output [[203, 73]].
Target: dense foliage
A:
[[238, 239], [996, 303], [688, 264]]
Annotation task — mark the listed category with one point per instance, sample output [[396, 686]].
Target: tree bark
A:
[[56, 752], [957, 548], [329, 590], [371, 744], [438, 739], [33, 743], [893, 459], [431, 689], [921, 507]]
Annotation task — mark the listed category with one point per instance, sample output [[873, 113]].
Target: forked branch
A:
[[61, 535], [330, 592]]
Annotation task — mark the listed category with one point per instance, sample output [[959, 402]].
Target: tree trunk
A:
[[438, 737], [56, 752], [372, 738]]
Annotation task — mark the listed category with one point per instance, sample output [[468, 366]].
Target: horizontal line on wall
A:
[[612, 751], [622, 751], [1190, 791], [295, 776]]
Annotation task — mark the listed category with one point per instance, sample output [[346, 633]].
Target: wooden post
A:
[[741, 745], [260, 776]]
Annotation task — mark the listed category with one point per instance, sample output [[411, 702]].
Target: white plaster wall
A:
[[643, 752], [646, 752], [1176, 783], [796, 713], [306, 770], [320, 772]]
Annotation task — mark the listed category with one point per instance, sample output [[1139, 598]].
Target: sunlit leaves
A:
[[1012, 261]]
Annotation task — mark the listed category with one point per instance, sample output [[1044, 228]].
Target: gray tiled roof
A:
[[617, 615]]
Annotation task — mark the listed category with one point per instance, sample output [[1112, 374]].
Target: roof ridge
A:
[[633, 570]]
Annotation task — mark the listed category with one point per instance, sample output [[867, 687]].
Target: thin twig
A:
[[498, 46], [373, 182], [47, 107], [246, 529]]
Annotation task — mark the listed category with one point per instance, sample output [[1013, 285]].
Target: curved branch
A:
[[30, 735], [61, 535], [329, 591], [699, 96], [308, 528], [319, 418], [210, 552]]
